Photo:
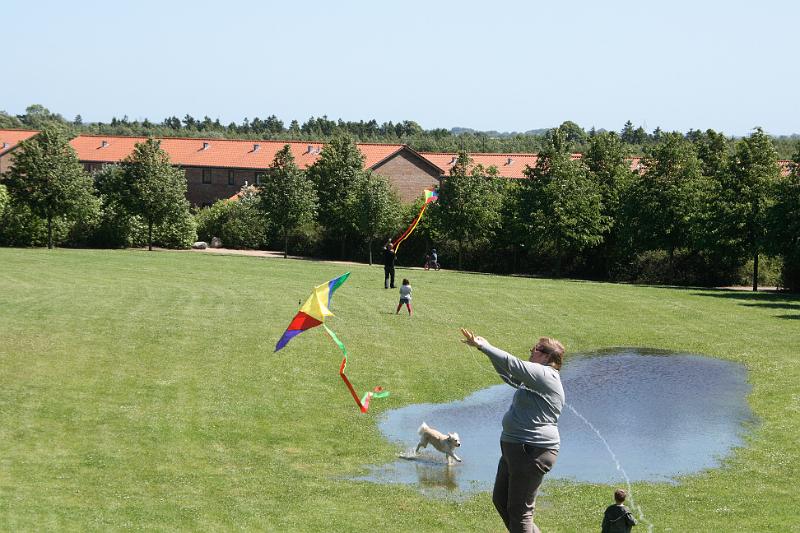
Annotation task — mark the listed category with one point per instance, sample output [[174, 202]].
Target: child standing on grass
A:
[[618, 519], [405, 296]]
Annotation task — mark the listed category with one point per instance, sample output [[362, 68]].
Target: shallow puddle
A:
[[657, 415]]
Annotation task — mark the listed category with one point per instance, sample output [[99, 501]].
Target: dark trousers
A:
[[519, 474], [388, 273]]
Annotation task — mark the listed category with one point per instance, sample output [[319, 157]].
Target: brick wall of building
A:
[[6, 160], [203, 194], [409, 175]]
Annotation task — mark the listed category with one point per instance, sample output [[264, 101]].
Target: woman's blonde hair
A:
[[554, 349]]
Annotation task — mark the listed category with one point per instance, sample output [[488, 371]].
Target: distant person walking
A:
[[618, 519], [388, 265], [405, 296], [530, 440]]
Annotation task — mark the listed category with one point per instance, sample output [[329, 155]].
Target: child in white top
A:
[[405, 296]]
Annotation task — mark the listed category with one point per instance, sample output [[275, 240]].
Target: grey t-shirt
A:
[[533, 415]]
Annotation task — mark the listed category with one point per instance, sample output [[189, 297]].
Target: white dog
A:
[[444, 443]]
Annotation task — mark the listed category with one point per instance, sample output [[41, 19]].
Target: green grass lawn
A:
[[140, 391]]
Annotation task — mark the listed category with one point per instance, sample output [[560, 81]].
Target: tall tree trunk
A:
[[754, 241], [49, 232], [460, 252], [285, 243], [755, 269], [150, 234], [369, 247]]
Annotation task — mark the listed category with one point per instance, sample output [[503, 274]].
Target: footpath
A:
[[279, 255]]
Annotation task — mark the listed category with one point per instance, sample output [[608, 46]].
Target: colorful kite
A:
[[313, 314], [431, 195]]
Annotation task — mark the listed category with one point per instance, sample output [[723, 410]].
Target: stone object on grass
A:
[[216, 242], [200, 245]]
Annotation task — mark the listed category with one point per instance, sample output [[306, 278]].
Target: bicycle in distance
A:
[[431, 262]]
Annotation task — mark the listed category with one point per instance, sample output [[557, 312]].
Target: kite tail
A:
[[410, 229], [363, 402]]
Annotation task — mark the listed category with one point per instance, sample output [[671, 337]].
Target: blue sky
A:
[[491, 65]]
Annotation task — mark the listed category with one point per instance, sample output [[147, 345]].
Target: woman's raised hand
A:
[[471, 339]]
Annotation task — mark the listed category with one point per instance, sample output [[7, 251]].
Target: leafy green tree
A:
[[713, 236], [608, 167], [659, 207], [116, 227], [561, 205], [784, 224], [288, 197], [574, 134], [335, 173], [469, 203], [375, 207], [511, 235], [627, 135], [3, 198], [712, 150], [38, 117], [607, 163], [753, 174], [149, 186], [48, 178], [8, 122]]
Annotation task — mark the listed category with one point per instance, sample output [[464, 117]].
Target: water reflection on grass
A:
[[663, 415]]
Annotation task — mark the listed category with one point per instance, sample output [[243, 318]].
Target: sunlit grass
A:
[[140, 391]]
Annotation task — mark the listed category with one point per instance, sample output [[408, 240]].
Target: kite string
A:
[[510, 381]]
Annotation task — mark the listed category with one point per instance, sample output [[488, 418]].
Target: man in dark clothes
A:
[[388, 265], [618, 519]]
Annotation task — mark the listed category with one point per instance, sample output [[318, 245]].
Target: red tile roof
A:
[[227, 153], [224, 153], [512, 165], [10, 138], [508, 165]]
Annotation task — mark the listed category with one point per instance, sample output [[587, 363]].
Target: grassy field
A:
[[139, 391]]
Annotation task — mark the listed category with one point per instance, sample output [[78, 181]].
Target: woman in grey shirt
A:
[[530, 440]]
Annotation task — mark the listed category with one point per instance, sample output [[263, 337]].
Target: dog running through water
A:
[[444, 443]]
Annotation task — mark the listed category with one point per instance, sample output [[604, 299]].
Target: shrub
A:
[[239, 223], [769, 272], [19, 226], [790, 273], [178, 233], [3, 198]]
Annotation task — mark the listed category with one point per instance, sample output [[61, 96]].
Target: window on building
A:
[[259, 177], [231, 178], [206, 175]]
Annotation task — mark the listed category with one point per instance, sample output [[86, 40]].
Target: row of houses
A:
[[218, 168]]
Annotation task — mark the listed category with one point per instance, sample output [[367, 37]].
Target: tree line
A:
[[695, 213], [323, 129]]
